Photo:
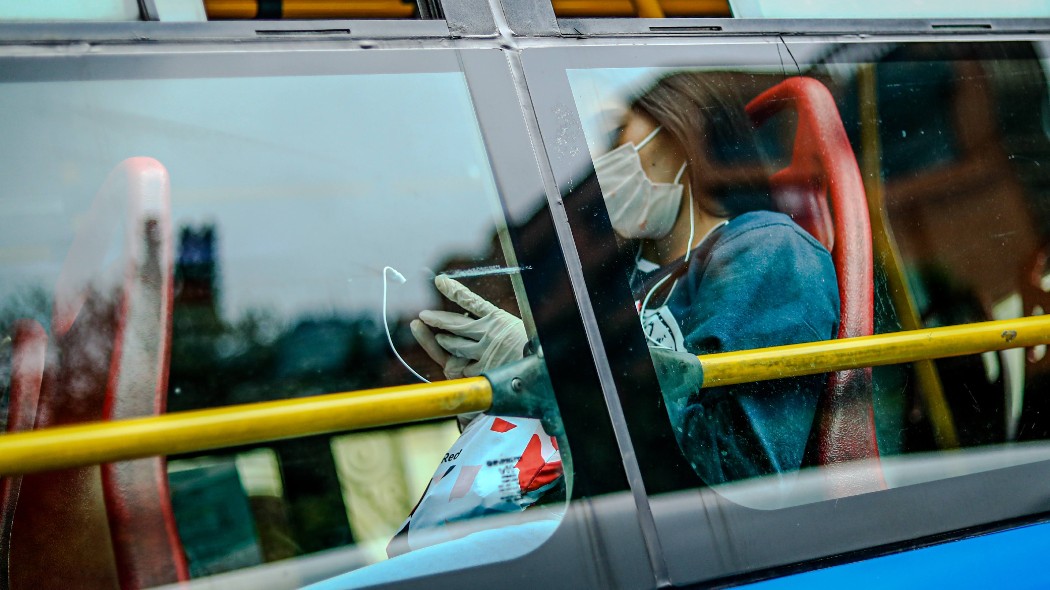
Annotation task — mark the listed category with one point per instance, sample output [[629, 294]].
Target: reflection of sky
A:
[[602, 96], [314, 183]]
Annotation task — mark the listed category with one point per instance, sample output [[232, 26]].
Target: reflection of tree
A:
[[31, 302], [260, 356], [215, 362]]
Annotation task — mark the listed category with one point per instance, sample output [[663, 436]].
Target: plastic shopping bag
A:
[[498, 466]]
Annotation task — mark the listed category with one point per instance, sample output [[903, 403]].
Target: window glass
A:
[[937, 117], [708, 298], [284, 229], [720, 235]]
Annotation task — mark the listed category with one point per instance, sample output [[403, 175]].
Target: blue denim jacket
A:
[[758, 281]]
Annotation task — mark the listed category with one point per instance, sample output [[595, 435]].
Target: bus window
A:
[[709, 189], [287, 221]]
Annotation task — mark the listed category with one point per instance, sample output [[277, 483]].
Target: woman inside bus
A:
[[716, 270]]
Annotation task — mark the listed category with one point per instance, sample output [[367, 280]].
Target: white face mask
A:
[[638, 207]]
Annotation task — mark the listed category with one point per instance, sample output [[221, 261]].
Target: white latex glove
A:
[[475, 344]]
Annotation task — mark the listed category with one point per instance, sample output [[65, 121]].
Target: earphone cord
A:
[[689, 249], [386, 324]]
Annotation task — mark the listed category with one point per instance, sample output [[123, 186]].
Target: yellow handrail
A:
[[199, 430], [729, 368], [103, 442]]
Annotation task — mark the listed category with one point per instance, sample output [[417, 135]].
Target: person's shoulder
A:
[[769, 226]]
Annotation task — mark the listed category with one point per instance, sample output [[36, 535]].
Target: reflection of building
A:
[[196, 269], [216, 362], [196, 322], [321, 482]]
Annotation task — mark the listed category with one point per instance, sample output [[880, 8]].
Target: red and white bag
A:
[[499, 465]]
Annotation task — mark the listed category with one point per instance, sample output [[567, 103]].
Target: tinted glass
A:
[[919, 119], [284, 228]]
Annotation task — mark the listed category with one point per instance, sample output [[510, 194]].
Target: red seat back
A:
[[823, 168], [92, 526], [29, 347], [138, 502]]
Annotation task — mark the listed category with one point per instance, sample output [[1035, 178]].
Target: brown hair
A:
[[704, 111]]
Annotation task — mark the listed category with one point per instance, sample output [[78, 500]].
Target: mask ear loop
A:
[[648, 138], [400, 278], [692, 212]]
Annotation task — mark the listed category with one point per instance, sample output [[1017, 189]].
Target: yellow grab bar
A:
[[729, 368], [199, 430]]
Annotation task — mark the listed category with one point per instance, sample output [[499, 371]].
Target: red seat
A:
[[138, 502], [29, 347], [823, 168], [101, 527]]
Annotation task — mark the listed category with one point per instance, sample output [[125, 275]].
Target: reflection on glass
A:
[[289, 197], [949, 139]]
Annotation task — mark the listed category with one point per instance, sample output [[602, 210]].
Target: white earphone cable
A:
[[400, 278]]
